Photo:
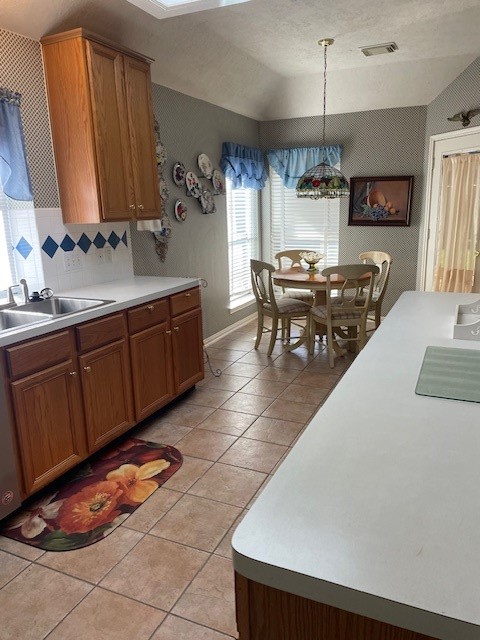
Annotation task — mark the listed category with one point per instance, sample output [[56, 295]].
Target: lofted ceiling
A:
[[261, 58]]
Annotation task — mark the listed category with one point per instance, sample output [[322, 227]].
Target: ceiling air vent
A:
[[379, 49]]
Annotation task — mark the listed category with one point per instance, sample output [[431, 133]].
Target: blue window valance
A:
[[291, 164], [244, 166], [14, 174]]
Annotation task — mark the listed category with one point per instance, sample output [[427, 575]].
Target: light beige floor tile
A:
[[187, 415], [34, 602], [150, 512], [274, 430], [231, 355], [263, 347], [207, 522], [290, 361], [10, 566], [255, 357], [191, 470], [226, 382], [162, 433], [287, 410], [247, 403], [278, 375], [205, 444], [224, 548], [320, 365], [108, 616], [229, 484], [260, 489], [20, 549], [92, 563], [303, 393], [216, 365], [246, 370], [320, 380], [178, 629], [208, 397], [242, 343], [254, 454], [155, 572], [231, 422], [265, 388], [210, 599]]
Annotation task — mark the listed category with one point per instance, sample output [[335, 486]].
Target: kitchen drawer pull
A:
[[150, 307], [73, 373], [141, 207], [132, 207], [187, 295], [168, 332], [176, 328], [87, 369]]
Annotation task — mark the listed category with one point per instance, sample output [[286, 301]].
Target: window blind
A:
[[243, 239], [301, 223]]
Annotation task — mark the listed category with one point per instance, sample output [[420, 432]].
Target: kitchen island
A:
[[370, 529]]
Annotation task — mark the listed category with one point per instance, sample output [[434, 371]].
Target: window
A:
[[243, 242], [302, 223], [7, 263]]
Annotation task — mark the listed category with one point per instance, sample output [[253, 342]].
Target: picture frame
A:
[[380, 201]]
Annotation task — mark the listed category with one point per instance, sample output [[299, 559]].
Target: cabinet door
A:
[[49, 423], [110, 125], [107, 393], [140, 118], [187, 349], [152, 372]]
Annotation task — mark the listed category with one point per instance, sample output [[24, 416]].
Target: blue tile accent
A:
[[84, 243], [24, 248], [50, 246], [99, 241], [124, 239], [113, 239], [67, 243]]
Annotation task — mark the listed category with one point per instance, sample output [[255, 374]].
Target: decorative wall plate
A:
[[194, 188], [207, 202], [205, 165], [218, 181], [179, 172], [164, 192], [180, 211]]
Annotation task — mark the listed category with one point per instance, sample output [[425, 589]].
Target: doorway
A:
[[456, 142]]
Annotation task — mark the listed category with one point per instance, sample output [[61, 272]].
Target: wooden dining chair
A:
[[346, 309], [292, 258], [383, 261], [282, 309]]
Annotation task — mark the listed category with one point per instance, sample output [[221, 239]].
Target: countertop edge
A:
[[159, 287]]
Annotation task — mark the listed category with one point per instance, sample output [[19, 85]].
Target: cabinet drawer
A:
[[95, 334], [185, 301], [147, 315], [36, 355]]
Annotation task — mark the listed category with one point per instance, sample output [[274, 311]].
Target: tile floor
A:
[[166, 572]]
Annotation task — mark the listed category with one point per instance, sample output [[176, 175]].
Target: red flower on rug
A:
[[90, 502]]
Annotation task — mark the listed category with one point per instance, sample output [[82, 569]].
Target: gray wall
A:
[[198, 246], [375, 143]]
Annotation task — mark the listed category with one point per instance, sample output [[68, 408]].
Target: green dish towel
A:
[[450, 373]]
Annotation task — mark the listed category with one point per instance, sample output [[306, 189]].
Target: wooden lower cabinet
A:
[[107, 394], [152, 369], [50, 426], [187, 349], [265, 613]]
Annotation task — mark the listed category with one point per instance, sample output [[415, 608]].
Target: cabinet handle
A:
[[150, 307], [87, 369], [132, 207], [176, 328], [187, 295], [168, 332], [141, 207], [73, 373]]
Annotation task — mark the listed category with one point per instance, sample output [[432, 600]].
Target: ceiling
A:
[[261, 58]]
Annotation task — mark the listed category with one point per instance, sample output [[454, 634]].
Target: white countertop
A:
[[376, 509], [125, 293]]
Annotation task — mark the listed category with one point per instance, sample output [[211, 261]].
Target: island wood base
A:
[[265, 613]]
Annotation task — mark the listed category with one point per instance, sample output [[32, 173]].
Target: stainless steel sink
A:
[[13, 319], [60, 306]]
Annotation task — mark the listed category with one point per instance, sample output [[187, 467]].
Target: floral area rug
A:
[[91, 501]]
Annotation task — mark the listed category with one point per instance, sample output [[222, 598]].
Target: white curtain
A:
[[457, 235]]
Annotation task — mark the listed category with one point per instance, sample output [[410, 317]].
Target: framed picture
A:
[[380, 201]]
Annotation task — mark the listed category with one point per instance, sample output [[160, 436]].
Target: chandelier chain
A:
[[324, 89]]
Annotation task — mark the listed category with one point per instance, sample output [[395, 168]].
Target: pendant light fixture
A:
[[323, 181]]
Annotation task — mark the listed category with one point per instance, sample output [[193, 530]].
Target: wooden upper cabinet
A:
[[99, 97]]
